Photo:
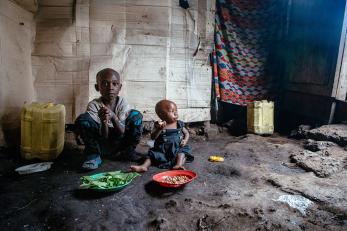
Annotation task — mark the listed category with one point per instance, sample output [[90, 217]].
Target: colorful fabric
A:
[[244, 30]]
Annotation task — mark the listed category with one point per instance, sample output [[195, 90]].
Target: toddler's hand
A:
[[160, 125], [183, 142]]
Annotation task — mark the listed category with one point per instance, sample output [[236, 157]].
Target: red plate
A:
[[160, 177]]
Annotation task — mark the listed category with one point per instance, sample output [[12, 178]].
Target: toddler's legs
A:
[[180, 160], [141, 168]]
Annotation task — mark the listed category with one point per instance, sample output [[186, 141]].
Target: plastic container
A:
[[42, 131], [260, 117], [216, 158], [32, 168], [160, 177]]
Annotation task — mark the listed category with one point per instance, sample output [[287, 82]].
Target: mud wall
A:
[[16, 82]]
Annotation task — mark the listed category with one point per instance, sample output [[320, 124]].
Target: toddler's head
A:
[[166, 111]]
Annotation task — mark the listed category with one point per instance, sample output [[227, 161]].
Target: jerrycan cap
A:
[[48, 105]]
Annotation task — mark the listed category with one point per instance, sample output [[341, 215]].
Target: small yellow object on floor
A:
[[216, 159]]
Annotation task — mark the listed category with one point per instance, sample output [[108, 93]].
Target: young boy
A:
[[108, 125], [170, 146]]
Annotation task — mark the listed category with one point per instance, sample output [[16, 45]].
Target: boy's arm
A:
[[104, 118], [122, 113], [104, 129], [117, 125], [105, 115], [186, 136], [94, 112]]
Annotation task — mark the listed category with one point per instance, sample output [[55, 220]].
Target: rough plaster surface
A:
[[322, 163], [333, 132], [323, 155]]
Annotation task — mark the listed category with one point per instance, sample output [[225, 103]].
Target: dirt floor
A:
[[241, 193]]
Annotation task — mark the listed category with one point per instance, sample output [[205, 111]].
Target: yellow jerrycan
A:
[[260, 117], [42, 131]]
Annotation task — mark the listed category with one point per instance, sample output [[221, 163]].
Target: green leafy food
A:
[[107, 180]]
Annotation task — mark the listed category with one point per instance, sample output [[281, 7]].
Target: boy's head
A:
[[109, 84], [166, 110]]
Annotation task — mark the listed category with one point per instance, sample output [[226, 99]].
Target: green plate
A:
[[110, 189]]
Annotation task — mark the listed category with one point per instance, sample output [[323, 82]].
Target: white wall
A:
[[60, 64], [150, 42], [16, 83]]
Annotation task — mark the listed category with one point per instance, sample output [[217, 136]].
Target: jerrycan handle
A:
[[48, 105]]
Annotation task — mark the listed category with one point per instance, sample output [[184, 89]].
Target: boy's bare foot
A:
[[138, 168], [178, 167]]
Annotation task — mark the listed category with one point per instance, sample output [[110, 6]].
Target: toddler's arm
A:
[[186, 137], [158, 127]]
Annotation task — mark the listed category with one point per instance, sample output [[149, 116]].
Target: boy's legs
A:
[[88, 130], [141, 168], [132, 135]]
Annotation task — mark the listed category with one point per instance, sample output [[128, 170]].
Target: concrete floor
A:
[[241, 193]]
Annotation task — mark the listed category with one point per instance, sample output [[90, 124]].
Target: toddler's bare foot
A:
[[138, 168], [178, 167]]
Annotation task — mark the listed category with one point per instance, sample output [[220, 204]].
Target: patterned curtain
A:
[[244, 33]]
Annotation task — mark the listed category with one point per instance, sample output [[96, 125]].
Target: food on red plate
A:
[[174, 178], [180, 179]]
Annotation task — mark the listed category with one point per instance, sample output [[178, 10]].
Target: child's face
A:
[[169, 113], [109, 86]]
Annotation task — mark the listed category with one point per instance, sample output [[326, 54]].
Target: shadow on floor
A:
[[155, 190], [85, 194]]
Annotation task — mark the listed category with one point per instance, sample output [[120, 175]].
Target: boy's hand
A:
[[160, 125], [105, 114], [183, 142]]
